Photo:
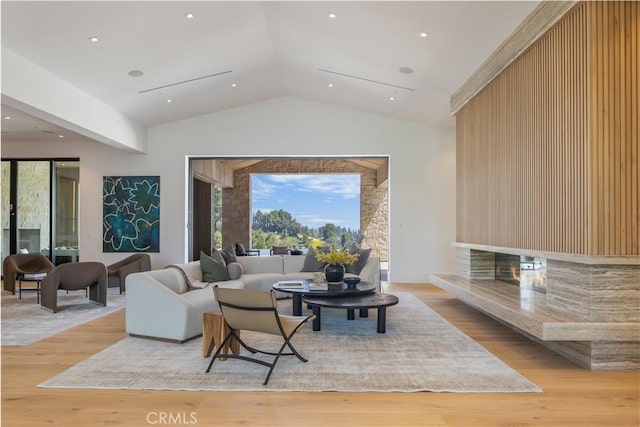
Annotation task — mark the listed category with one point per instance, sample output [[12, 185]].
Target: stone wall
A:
[[374, 221]]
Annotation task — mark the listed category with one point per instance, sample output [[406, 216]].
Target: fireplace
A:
[[556, 293], [525, 271]]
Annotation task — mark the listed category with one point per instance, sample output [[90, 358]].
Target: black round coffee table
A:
[[333, 291], [362, 303]]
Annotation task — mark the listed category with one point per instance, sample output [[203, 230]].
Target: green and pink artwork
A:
[[131, 214]]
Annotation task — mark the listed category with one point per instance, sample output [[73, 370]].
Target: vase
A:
[[334, 273]]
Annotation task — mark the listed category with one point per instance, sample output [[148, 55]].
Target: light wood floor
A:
[[572, 396]]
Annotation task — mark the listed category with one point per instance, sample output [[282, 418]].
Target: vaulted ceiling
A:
[[397, 59]]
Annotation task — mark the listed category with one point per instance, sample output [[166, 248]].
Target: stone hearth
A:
[[589, 310]]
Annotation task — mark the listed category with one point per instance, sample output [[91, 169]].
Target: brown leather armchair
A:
[[19, 264], [119, 271], [72, 277]]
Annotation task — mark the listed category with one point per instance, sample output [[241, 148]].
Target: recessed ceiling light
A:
[[7, 117], [60, 136], [135, 73], [234, 84], [94, 39], [391, 98], [330, 85], [332, 15], [424, 35], [169, 100], [189, 15], [405, 70]]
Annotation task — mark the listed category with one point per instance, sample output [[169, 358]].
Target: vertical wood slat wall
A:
[[614, 41], [547, 153]]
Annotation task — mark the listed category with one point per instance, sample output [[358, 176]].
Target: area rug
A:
[[420, 351], [24, 321]]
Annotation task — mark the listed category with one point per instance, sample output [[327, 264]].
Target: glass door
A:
[[40, 208], [67, 174], [33, 206], [6, 207]]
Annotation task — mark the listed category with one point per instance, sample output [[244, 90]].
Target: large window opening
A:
[[262, 202], [298, 211]]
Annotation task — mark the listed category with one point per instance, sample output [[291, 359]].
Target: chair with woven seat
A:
[[73, 277], [16, 266], [257, 311]]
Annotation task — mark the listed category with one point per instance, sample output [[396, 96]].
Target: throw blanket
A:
[[192, 283]]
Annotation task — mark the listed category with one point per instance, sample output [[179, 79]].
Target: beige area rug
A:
[[25, 322], [420, 351]]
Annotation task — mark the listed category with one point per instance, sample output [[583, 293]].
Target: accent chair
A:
[[117, 273], [257, 311], [17, 265], [72, 277]]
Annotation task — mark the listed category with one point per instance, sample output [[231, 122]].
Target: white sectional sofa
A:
[[163, 304]]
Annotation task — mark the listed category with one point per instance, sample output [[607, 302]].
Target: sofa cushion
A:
[[300, 275], [230, 284], [292, 263], [363, 257], [311, 263], [261, 281], [261, 264], [202, 300], [172, 278], [214, 269]]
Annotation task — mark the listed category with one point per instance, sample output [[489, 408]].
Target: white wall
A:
[[421, 182], [32, 89]]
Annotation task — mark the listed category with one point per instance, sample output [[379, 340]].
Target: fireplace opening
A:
[[524, 271]]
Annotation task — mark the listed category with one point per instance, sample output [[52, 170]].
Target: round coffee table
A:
[[362, 303], [333, 291]]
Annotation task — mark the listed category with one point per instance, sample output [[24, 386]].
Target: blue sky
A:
[[314, 200]]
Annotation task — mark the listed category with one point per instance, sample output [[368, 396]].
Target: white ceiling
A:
[[269, 49]]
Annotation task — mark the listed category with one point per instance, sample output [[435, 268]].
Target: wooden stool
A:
[[215, 330]]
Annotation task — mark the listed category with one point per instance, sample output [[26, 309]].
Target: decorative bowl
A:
[[351, 281]]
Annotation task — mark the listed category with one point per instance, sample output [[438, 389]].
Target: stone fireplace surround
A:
[[589, 314]]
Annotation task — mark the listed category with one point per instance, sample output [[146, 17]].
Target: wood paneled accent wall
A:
[[547, 153]]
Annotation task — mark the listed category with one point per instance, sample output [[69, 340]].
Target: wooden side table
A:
[[214, 330]]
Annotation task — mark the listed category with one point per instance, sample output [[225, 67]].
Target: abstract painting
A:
[[131, 214]]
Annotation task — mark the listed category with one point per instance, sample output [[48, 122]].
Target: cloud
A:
[[324, 221], [311, 218], [312, 199], [261, 188], [263, 210], [346, 186]]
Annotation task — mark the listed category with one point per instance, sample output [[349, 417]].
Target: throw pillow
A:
[[229, 256], [363, 257], [214, 269], [235, 270], [311, 264]]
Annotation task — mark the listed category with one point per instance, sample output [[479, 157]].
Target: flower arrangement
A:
[[337, 257]]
